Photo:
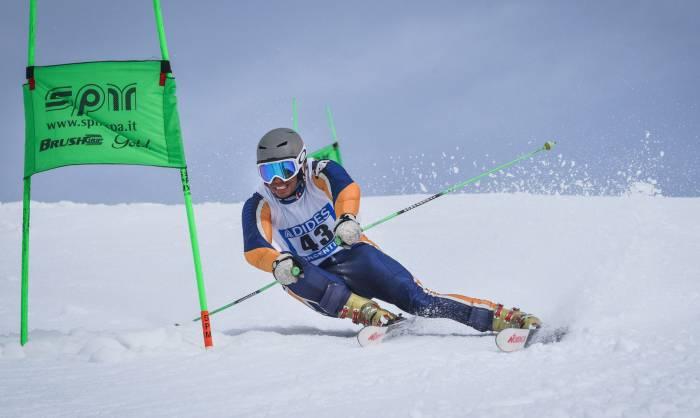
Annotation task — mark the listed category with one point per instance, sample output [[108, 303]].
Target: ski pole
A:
[[546, 147], [237, 301]]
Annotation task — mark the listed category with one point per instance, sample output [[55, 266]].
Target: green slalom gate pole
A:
[[206, 325], [31, 39], [26, 200], [201, 290], [331, 125], [295, 115], [546, 147], [24, 315], [161, 30]]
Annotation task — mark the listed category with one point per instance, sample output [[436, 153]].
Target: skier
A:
[[301, 226]]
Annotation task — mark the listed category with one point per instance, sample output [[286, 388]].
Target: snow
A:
[[108, 282]]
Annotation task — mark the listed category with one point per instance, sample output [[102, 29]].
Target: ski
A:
[[512, 339], [508, 340], [516, 339], [374, 335]]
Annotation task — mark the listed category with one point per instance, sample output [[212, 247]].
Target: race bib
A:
[[312, 239]]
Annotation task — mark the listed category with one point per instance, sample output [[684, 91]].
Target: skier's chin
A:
[[282, 195], [283, 190]]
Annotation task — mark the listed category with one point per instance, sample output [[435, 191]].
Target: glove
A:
[[347, 229], [284, 267]]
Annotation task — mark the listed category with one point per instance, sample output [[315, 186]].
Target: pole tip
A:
[[549, 145]]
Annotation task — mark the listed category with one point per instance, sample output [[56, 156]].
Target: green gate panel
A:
[[329, 152], [111, 112]]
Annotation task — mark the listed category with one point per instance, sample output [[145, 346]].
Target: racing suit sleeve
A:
[[257, 233], [332, 178]]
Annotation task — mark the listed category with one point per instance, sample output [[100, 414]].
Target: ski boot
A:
[[513, 318], [366, 312]]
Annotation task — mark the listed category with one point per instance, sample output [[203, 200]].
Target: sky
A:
[[424, 94]]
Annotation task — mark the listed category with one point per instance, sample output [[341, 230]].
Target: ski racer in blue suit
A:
[[301, 226]]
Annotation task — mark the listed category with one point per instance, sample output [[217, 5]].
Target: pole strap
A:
[[29, 72], [31, 45], [165, 69]]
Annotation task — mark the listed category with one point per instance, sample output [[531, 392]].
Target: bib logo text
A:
[[314, 237]]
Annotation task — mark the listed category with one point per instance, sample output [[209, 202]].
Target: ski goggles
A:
[[283, 169]]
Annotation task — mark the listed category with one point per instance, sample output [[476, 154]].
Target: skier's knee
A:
[[333, 298], [421, 303], [408, 296]]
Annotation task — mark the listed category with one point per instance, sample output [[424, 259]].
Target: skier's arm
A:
[[348, 200], [257, 233], [332, 178], [345, 193]]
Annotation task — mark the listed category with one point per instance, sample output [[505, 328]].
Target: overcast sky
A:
[[424, 94]]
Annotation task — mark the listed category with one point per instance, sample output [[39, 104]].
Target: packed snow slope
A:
[[108, 282]]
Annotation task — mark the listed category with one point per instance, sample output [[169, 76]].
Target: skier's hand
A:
[[348, 229], [285, 269]]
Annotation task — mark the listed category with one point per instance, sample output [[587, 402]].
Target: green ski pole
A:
[[236, 302], [546, 147]]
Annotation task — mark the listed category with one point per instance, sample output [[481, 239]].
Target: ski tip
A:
[[512, 339], [371, 335]]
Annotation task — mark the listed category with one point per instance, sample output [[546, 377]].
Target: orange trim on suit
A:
[[473, 301], [262, 258], [348, 200]]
